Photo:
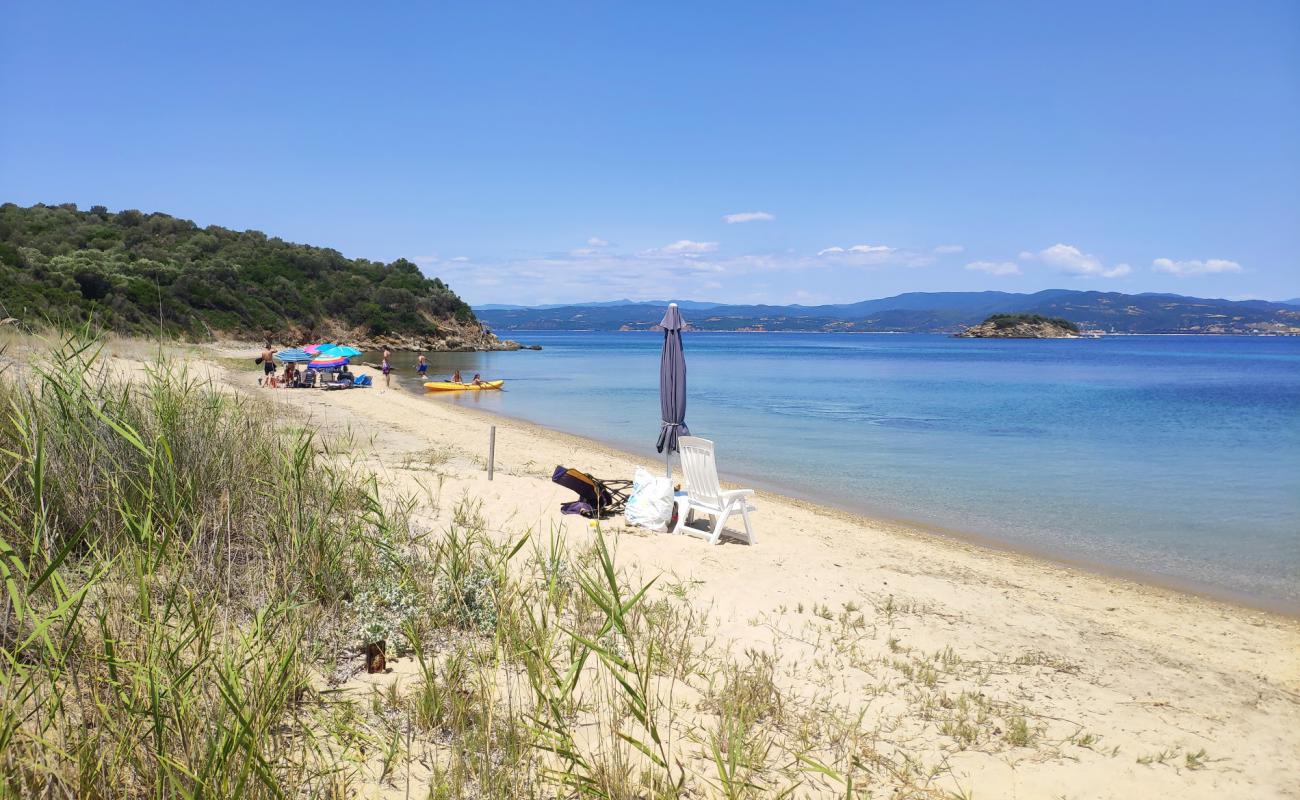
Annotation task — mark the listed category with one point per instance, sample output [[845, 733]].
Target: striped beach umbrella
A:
[[293, 355], [327, 361]]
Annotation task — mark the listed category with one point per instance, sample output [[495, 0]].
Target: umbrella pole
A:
[[668, 463]]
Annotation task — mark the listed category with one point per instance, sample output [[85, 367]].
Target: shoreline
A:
[[1135, 578]]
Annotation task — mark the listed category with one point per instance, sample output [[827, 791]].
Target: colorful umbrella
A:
[[327, 362], [293, 355], [315, 349]]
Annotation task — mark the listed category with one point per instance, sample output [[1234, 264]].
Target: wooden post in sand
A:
[[492, 449]]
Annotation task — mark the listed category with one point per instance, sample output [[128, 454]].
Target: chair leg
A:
[[749, 531], [684, 515], [719, 522]]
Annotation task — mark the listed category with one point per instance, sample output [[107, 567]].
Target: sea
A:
[[1170, 458]]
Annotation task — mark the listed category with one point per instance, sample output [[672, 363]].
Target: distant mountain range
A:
[[685, 305], [922, 312]]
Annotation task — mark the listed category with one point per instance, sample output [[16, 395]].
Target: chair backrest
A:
[[700, 469], [587, 488]]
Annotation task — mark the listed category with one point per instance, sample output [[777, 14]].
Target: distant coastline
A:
[[1109, 313]]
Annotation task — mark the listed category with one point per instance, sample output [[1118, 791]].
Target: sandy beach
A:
[[1124, 689]]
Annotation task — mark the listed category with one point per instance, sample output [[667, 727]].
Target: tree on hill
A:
[[126, 270]]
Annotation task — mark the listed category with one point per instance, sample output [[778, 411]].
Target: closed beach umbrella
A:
[[293, 355], [672, 386]]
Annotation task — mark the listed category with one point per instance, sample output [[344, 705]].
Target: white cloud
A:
[[995, 267], [873, 255], [679, 268], [946, 249], [596, 241], [1071, 260], [687, 246], [1182, 269], [425, 261], [460, 259], [857, 248], [749, 216]]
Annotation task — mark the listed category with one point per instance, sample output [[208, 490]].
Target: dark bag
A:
[[257, 360]]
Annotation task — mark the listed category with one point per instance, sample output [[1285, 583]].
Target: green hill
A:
[[127, 270]]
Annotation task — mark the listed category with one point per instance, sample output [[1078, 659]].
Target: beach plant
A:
[[383, 612]]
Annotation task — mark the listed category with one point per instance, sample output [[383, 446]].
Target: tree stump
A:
[[375, 661]]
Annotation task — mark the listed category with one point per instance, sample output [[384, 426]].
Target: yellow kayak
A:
[[448, 386]]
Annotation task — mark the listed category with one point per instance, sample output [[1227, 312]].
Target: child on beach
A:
[[422, 367], [387, 368]]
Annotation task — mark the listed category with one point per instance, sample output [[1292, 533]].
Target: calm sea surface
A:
[[1177, 457]]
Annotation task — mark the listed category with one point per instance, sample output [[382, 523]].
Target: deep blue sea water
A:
[[1172, 456]]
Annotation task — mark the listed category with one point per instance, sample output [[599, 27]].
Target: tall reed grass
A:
[[165, 550]]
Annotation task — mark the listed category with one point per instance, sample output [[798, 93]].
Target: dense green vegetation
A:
[[126, 270], [1004, 321]]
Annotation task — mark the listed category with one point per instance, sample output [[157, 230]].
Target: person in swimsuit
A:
[[477, 380], [387, 368], [455, 378], [422, 367], [268, 362]]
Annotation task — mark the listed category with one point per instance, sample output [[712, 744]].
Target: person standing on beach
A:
[[422, 367], [387, 369], [268, 363]]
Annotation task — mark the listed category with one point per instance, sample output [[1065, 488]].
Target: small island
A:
[[1021, 326]]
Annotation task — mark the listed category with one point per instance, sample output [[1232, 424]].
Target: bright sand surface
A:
[[1186, 696]]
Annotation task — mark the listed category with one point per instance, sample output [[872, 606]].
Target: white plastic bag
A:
[[651, 503]]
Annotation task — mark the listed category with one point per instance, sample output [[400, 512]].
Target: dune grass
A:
[[165, 557]]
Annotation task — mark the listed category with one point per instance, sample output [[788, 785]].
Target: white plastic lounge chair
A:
[[705, 495]]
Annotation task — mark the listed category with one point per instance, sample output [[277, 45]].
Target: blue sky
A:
[[543, 152]]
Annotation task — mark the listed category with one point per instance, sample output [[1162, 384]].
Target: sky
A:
[[739, 152]]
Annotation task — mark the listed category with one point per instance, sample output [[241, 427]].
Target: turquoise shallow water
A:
[[1176, 457]]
